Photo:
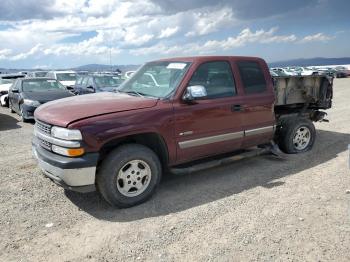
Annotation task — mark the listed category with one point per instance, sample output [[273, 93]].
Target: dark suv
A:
[[87, 84]]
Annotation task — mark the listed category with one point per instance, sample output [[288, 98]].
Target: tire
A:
[[10, 107], [296, 135], [124, 165], [21, 114]]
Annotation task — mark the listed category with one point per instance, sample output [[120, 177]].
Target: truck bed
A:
[[308, 92]]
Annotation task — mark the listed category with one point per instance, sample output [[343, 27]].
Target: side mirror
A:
[[15, 91], [194, 92]]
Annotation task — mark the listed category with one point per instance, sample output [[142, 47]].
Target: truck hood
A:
[[65, 111]]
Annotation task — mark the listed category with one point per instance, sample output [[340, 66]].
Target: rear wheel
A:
[[129, 175], [297, 135]]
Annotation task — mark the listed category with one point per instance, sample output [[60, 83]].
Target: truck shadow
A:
[[8, 122], [179, 193]]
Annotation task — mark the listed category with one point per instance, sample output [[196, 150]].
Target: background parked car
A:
[[129, 74], [66, 78], [96, 83], [284, 72], [37, 74], [305, 71], [6, 80], [341, 72], [26, 94]]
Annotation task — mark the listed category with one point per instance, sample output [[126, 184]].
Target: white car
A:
[[5, 83], [66, 78]]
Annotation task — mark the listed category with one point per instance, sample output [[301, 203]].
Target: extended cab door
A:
[[213, 124], [258, 101]]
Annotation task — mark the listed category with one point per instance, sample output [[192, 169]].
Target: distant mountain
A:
[[99, 68], [318, 61]]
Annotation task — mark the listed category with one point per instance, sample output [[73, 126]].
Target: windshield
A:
[[156, 79], [6, 81], [41, 85], [66, 76], [107, 81]]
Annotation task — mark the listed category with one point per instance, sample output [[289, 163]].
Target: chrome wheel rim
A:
[[133, 178], [302, 138]]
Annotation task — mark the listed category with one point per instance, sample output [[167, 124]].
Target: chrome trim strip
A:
[[186, 133], [210, 140], [258, 131], [55, 141]]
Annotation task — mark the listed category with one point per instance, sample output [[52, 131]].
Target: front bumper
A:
[[28, 111], [77, 174]]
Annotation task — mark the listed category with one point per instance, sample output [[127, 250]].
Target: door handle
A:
[[237, 108]]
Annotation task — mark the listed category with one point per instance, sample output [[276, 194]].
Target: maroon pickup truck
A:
[[170, 113]]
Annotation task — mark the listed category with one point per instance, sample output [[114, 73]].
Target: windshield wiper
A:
[[133, 93]]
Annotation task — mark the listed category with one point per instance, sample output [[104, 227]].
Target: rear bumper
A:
[[76, 174]]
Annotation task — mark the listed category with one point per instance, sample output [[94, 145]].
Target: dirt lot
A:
[[257, 209]]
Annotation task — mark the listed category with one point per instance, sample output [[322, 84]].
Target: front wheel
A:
[[22, 115], [297, 135], [129, 175]]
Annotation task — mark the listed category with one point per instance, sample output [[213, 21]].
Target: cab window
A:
[[252, 77], [216, 77]]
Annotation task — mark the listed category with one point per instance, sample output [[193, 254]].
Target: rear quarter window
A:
[[252, 77]]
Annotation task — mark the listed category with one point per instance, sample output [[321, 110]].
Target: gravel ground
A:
[[256, 209]]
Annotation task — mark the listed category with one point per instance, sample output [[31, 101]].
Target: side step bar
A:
[[268, 149]]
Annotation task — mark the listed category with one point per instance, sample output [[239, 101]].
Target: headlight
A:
[[31, 102], [68, 151], [66, 134]]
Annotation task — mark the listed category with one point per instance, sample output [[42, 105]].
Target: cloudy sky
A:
[[68, 33]]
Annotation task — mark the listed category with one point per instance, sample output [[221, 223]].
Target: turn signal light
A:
[[75, 151], [72, 152]]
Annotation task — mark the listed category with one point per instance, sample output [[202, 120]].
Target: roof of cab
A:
[[192, 59]]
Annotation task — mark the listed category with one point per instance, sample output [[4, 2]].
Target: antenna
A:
[[110, 54], [110, 57]]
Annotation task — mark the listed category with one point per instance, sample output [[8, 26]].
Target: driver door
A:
[[211, 125]]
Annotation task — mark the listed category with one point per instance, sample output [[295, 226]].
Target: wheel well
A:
[[152, 140]]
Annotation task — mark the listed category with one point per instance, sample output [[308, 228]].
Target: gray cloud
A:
[[25, 9], [16, 10], [248, 9]]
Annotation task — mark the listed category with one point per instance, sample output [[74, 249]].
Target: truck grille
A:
[[42, 132], [45, 144], [45, 128]]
